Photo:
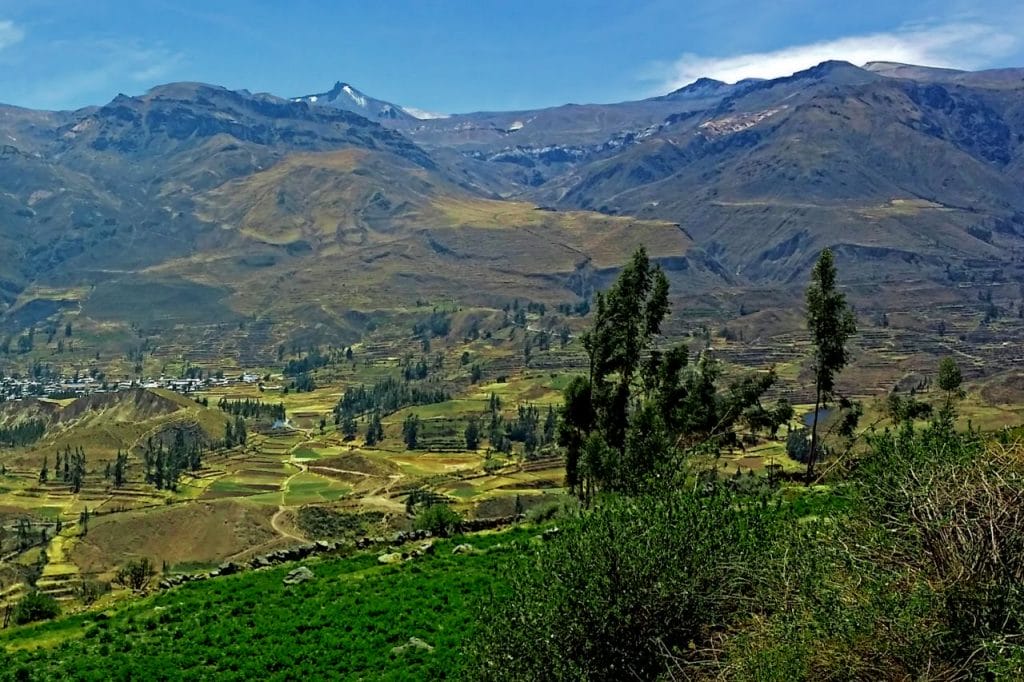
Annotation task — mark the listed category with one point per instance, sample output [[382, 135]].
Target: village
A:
[[14, 388]]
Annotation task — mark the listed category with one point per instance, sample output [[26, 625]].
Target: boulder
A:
[[462, 549], [414, 643], [391, 558], [228, 568], [298, 575]]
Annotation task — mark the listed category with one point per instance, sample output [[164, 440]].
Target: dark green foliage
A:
[[438, 324], [314, 360], [252, 409], [163, 465], [640, 407], [23, 433], [35, 606], [416, 371], [349, 428], [304, 383], [440, 519], [386, 396], [71, 467], [902, 409], [913, 570], [798, 445], [627, 585], [472, 433], [831, 323], [374, 430], [411, 430]]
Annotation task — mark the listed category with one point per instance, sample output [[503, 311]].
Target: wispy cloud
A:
[[10, 34], [101, 66], [953, 45]]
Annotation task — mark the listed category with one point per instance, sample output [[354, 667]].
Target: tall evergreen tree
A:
[[831, 324], [639, 405], [472, 433], [411, 431]]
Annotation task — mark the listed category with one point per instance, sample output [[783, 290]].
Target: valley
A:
[[433, 360]]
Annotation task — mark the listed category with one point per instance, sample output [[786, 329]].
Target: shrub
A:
[[626, 585], [439, 519], [35, 606], [135, 575], [88, 591]]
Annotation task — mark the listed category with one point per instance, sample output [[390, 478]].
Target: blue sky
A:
[[455, 55]]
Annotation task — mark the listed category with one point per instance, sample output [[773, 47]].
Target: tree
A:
[[831, 324], [120, 468], [135, 575], [374, 430], [473, 433], [44, 473], [349, 428], [35, 606], [439, 519], [640, 405], [950, 380], [410, 431], [782, 413], [240, 433]]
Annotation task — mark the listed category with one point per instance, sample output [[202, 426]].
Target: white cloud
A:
[[10, 34], [955, 45]]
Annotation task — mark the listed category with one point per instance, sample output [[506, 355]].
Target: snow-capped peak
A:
[[356, 97]]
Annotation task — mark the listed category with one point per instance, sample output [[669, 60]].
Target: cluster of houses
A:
[[12, 388]]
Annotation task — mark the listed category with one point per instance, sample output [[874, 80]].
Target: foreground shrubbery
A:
[[917, 576], [35, 606]]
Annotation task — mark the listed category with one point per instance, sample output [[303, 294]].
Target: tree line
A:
[[252, 409], [385, 396], [22, 433]]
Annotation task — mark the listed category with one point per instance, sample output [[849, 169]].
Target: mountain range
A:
[[195, 206]]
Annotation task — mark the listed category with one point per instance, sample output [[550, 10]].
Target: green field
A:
[[341, 625]]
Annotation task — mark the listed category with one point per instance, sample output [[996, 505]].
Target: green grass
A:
[[342, 625]]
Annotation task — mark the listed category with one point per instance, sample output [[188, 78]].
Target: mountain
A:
[[906, 171], [193, 208], [197, 210], [345, 97]]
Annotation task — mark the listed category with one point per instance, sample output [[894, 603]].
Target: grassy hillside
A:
[[346, 623]]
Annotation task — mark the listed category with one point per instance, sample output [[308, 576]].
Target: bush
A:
[[135, 575], [547, 511], [628, 585], [88, 591], [35, 606], [439, 519]]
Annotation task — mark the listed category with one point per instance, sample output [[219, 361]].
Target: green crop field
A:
[[343, 624]]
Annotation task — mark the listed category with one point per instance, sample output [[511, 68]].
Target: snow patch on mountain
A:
[[356, 97], [423, 115]]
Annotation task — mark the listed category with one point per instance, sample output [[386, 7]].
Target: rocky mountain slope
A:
[[193, 204]]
